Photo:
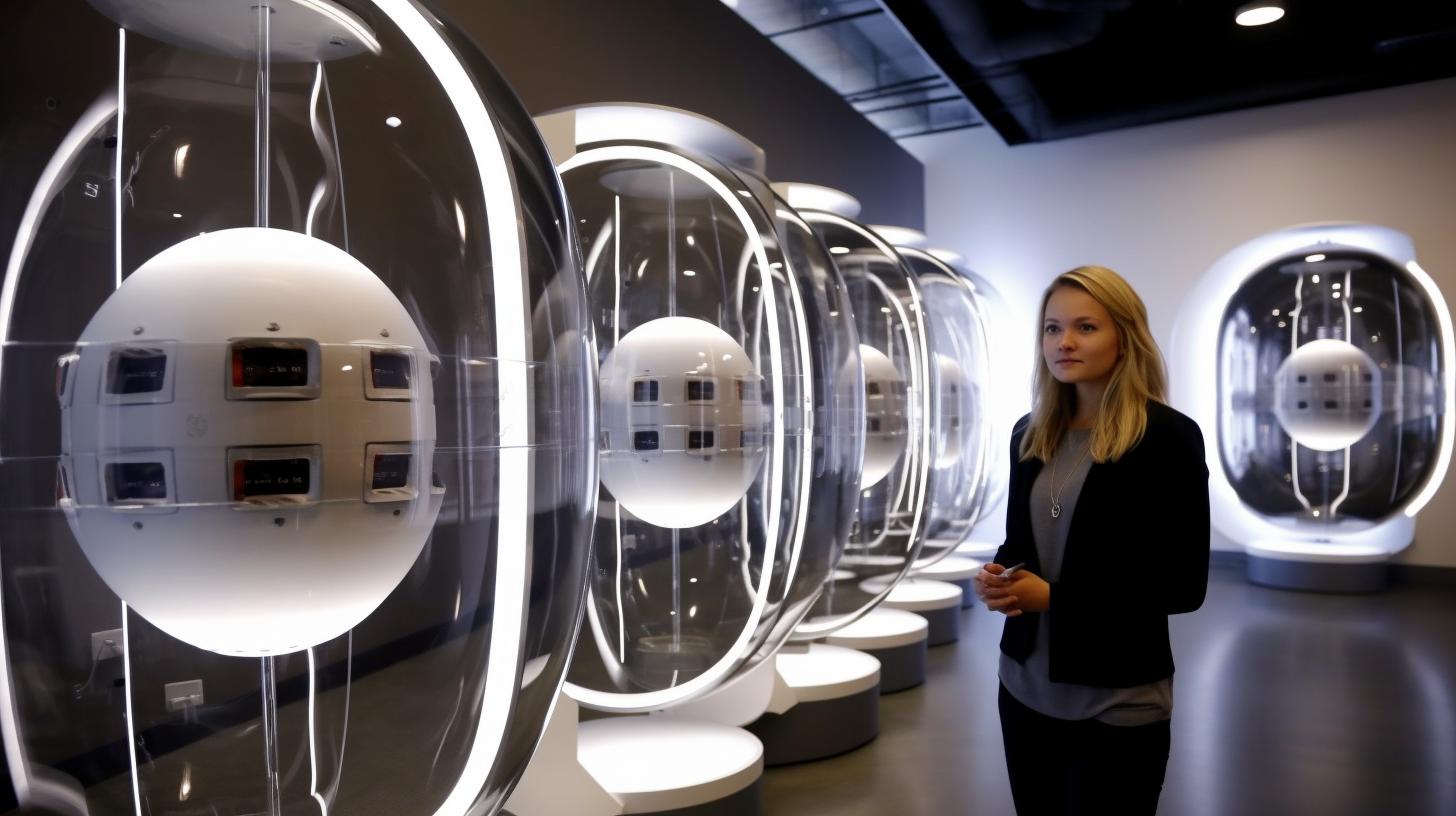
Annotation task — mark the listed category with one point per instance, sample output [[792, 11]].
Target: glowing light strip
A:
[[318, 137], [313, 735], [136, 783], [120, 138], [513, 534], [92, 120], [1293, 347], [616, 229], [646, 701], [1448, 386]]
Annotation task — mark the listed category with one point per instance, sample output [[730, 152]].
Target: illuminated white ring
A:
[[920, 375], [738, 652]]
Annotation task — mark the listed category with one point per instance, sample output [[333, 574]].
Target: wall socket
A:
[[183, 695], [106, 645]]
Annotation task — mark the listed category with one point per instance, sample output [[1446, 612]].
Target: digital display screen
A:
[[137, 371], [644, 391], [644, 440], [390, 370], [700, 390], [136, 481], [391, 470], [270, 477], [699, 440], [270, 367]]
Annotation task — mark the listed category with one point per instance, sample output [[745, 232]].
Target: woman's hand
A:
[[1023, 592]]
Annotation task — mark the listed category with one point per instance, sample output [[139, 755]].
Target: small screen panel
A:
[[391, 471], [700, 390], [644, 391], [137, 371], [644, 440], [136, 481], [270, 477], [270, 367], [390, 370]]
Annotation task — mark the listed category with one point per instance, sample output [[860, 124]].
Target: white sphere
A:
[[885, 422], [683, 423], [1327, 394], [248, 429], [953, 401]]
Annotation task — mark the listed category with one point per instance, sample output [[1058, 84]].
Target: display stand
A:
[[896, 638], [957, 570], [936, 601], [1330, 569], [833, 704], [978, 549], [555, 781], [640, 765], [672, 767]]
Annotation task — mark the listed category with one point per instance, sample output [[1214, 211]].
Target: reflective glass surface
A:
[[1330, 389], [889, 527], [296, 419], [706, 424], [961, 440]]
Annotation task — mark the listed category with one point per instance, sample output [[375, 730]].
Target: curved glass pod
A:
[[317, 429], [890, 521], [960, 422], [1332, 394], [838, 415], [705, 425]]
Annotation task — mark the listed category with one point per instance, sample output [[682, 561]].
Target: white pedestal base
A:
[[660, 765], [894, 637]]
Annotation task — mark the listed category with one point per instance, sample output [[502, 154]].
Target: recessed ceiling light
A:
[[839, 250], [393, 121], [1257, 14], [1316, 258]]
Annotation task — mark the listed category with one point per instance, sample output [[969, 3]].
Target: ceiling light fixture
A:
[[1257, 14]]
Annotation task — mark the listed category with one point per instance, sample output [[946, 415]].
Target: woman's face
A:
[[1079, 340]]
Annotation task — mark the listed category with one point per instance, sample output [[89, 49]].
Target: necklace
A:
[[1056, 494]]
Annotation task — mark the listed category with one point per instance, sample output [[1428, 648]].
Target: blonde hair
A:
[[1137, 376]]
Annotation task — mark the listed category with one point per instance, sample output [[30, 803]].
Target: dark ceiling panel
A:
[[1039, 70]]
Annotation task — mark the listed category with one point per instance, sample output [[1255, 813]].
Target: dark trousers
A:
[[1081, 766]]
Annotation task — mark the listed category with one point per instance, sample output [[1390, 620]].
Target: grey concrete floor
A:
[[1285, 703]]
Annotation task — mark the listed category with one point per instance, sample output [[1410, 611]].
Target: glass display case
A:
[[1331, 399], [297, 408], [708, 407], [889, 527], [961, 422]]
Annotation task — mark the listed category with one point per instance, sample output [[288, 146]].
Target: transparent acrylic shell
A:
[[298, 430], [707, 431], [1330, 391], [888, 532], [961, 448]]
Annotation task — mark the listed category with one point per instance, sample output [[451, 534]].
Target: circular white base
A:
[[979, 550], [1321, 552], [651, 765], [950, 568], [827, 672], [882, 629], [920, 595]]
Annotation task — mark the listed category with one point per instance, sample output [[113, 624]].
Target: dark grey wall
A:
[[700, 56]]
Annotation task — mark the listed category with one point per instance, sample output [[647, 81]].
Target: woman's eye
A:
[[1087, 328], [1050, 329]]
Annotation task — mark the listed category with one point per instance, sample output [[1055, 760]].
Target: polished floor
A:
[[1286, 703]]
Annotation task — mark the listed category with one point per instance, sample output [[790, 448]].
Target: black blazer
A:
[[1137, 552]]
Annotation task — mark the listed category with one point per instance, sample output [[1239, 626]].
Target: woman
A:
[[1108, 518]]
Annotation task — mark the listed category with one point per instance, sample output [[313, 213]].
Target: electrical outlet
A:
[[183, 695], [106, 645]]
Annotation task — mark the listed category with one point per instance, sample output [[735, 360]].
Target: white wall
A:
[[1161, 203]]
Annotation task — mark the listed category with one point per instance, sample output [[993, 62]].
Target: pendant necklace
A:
[[1056, 495]]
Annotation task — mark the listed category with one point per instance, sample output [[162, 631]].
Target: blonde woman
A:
[[1106, 536]]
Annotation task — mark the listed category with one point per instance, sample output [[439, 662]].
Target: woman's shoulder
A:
[[1168, 425]]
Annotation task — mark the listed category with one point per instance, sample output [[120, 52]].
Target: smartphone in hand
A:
[[1012, 570]]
